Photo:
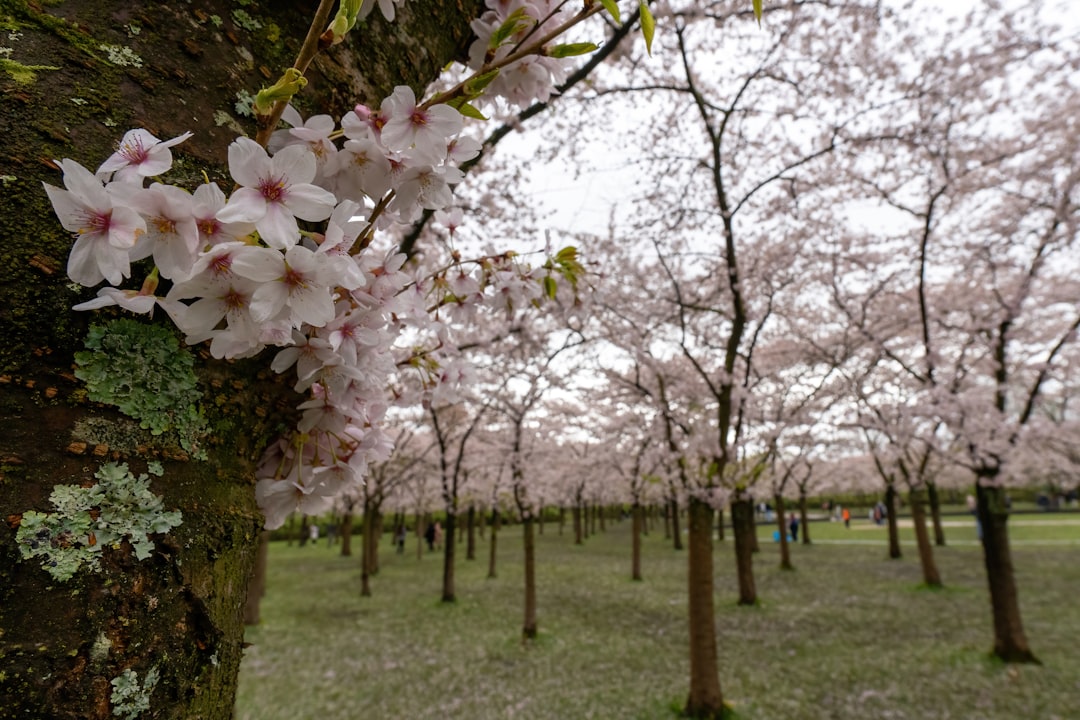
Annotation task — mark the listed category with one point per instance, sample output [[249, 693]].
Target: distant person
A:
[[313, 533], [793, 526], [429, 536], [846, 515]]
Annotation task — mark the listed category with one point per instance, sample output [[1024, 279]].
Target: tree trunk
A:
[[705, 700], [742, 527], [638, 521], [804, 518], [562, 519], [470, 548], [1010, 642], [365, 551], [528, 629], [257, 584], [305, 530], [935, 513], [894, 529], [720, 524], [540, 519], [931, 578], [579, 526], [346, 534], [448, 558], [494, 542], [675, 529], [752, 532], [785, 550], [667, 521]]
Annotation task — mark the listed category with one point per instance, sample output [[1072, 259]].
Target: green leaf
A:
[[474, 87], [566, 254], [550, 287], [758, 10], [571, 49], [518, 20], [612, 8], [470, 111], [648, 25]]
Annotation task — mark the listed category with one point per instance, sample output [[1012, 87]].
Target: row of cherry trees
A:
[[849, 264]]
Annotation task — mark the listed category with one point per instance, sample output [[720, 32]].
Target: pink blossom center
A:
[[294, 279], [273, 189], [418, 118], [221, 265], [164, 225], [133, 151], [209, 227], [95, 222], [234, 300]]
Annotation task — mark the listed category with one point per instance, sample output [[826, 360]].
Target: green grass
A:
[[848, 634]]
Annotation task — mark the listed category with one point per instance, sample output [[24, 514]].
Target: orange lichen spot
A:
[[77, 448]]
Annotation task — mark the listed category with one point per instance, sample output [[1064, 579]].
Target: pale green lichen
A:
[[6, 180], [216, 21], [121, 56], [142, 370], [99, 651], [244, 20], [22, 74], [244, 104], [129, 699], [118, 507]]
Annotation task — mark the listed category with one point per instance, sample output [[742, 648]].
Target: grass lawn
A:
[[848, 634]]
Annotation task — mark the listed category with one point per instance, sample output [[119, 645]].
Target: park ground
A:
[[849, 634]]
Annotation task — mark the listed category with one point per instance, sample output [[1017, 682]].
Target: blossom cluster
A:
[[243, 274]]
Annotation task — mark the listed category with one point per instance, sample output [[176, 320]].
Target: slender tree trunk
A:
[[667, 521], [720, 524], [894, 527], [705, 699], [448, 558], [470, 548], [804, 518], [528, 629], [540, 519], [592, 515], [931, 578], [1010, 642], [935, 513], [257, 584], [645, 517], [742, 527], [579, 526], [346, 534], [421, 528], [562, 519], [494, 543], [755, 547], [675, 529], [785, 550], [305, 532], [635, 570], [366, 533]]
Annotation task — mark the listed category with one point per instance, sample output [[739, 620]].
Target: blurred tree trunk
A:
[[494, 542], [931, 577], [449, 554], [346, 534], [781, 517], [638, 521], [675, 529], [470, 548], [720, 524], [742, 527], [705, 699], [528, 629], [256, 588], [804, 518], [935, 513], [1010, 641], [891, 520]]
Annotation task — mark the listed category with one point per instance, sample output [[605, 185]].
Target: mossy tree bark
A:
[[257, 582], [62, 643]]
